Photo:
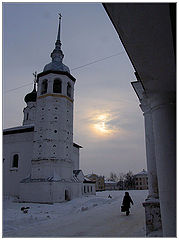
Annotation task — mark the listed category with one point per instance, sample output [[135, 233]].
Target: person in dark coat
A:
[[126, 202]]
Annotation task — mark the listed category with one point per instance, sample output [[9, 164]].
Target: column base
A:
[[153, 218]]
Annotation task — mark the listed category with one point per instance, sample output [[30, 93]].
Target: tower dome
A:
[[31, 97], [56, 66], [57, 56]]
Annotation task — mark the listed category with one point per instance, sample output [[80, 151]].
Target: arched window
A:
[[27, 116], [44, 86], [15, 161], [57, 86], [68, 90]]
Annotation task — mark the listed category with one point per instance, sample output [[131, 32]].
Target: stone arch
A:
[[57, 86]]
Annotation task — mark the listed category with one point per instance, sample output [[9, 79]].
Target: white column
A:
[[150, 149], [164, 126], [151, 204]]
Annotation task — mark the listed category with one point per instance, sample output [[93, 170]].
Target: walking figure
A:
[[126, 203]]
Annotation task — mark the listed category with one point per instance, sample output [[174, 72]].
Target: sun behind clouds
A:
[[101, 126]]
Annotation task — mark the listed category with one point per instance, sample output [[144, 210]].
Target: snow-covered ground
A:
[[93, 216]]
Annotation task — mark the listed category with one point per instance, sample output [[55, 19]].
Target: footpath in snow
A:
[[93, 216]]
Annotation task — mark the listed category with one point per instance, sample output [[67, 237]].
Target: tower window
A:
[[44, 87], [15, 161], [69, 90], [57, 86], [27, 116]]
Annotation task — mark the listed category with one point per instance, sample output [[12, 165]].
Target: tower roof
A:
[[143, 172], [57, 55], [31, 97]]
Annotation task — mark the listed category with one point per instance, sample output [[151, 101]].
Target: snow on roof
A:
[[89, 175], [92, 175], [19, 127], [142, 173], [76, 145], [76, 172], [88, 180], [109, 182], [75, 178]]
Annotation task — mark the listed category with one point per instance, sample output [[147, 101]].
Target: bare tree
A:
[[129, 182], [121, 176]]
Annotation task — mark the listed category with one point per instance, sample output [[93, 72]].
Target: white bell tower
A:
[[51, 177]]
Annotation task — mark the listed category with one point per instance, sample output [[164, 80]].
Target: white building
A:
[[111, 185], [99, 181], [141, 180], [40, 157], [88, 187]]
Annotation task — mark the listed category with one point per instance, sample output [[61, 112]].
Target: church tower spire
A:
[[57, 54], [59, 28]]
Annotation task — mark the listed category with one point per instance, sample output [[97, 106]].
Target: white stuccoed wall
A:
[[30, 109], [20, 143], [75, 158], [89, 186], [53, 138]]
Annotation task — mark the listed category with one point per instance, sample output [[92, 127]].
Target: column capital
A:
[[145, 104], [162, 99]]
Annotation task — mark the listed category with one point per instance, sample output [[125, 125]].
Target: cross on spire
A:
[[59, 26], [60, 16], [57, 54], [35, 76], [35, 80]]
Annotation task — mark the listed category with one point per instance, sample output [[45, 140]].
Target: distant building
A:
[[111, 185], [100, 185], [88, 187], [120, 185], [141, 180]]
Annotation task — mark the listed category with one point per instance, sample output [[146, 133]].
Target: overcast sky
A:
[[108, 122]]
